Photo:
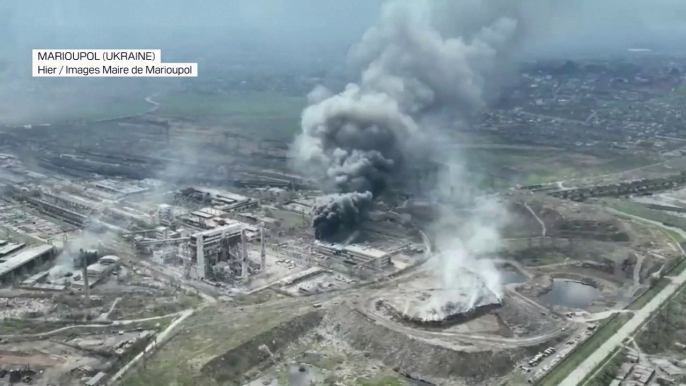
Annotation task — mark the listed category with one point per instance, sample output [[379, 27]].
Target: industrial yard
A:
[[417, 205], [94, 270]]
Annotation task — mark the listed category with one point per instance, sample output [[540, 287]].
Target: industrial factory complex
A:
[[116, 263], [416, 227]]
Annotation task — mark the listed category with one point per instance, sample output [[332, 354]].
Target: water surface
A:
[[569, 293]]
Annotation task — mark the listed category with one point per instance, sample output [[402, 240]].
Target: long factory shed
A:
[[24, 261]]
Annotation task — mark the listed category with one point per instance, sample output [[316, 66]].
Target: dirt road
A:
[[630, 328]]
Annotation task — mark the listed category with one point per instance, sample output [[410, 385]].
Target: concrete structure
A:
[[355, 254], [118, 188], [302, 276], [9, 248], [53, 208], [263, 254], [98, 379], [129, 214], [96, 271], [69, 201], [110, 260], [37, 278], [37, 282], [221, 200], [251, 218], [161, 233], [23, 261], [223, 244], [165, 215]]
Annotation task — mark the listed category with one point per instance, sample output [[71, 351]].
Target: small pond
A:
[[570, 293]]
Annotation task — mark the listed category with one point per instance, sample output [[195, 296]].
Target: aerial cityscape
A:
[[434, 193]]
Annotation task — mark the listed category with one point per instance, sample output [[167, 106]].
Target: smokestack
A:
[[263, 255], [244, 256], [85, 279]]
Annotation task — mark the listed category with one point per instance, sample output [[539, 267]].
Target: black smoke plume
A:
[[363, 139], [337, 218]]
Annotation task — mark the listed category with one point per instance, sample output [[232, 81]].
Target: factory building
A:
[[98, 271], [6, 248], [221, 200], [69, 201], [251, 218], [304, 275], [118, 188], [110, 261], [221, 253], [54, 209], [161, 233], [24, 261], [128, 214], [165, 215], [355, 254]]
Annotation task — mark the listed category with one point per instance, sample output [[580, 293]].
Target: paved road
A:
[[631, 327]]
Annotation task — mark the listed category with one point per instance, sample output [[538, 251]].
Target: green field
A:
[[264, 114], [493, 167], [666, 327], [639, 210], [645, 298], [210, 332], [604, 373], [385, 381], [62, 105], [584, 350]]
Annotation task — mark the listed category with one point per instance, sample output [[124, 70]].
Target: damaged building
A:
[[221, 254]]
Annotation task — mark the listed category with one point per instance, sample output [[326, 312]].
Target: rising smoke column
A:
[[340, 214], [362, 139]]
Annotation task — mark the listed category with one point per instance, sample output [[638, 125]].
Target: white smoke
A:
[[318, 94], [408, 58], [64, 262], [466, 242], [422, 59]]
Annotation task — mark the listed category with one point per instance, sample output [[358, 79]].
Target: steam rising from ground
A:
[[414, 64]]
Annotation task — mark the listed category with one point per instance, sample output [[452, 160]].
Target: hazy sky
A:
[[292, 28], [294, 35], [220, 27]]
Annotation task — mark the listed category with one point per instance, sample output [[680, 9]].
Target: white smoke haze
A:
[[318, 94], [367, 137], [407, 57], [64, 262], [415, 68], [466, 242]]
